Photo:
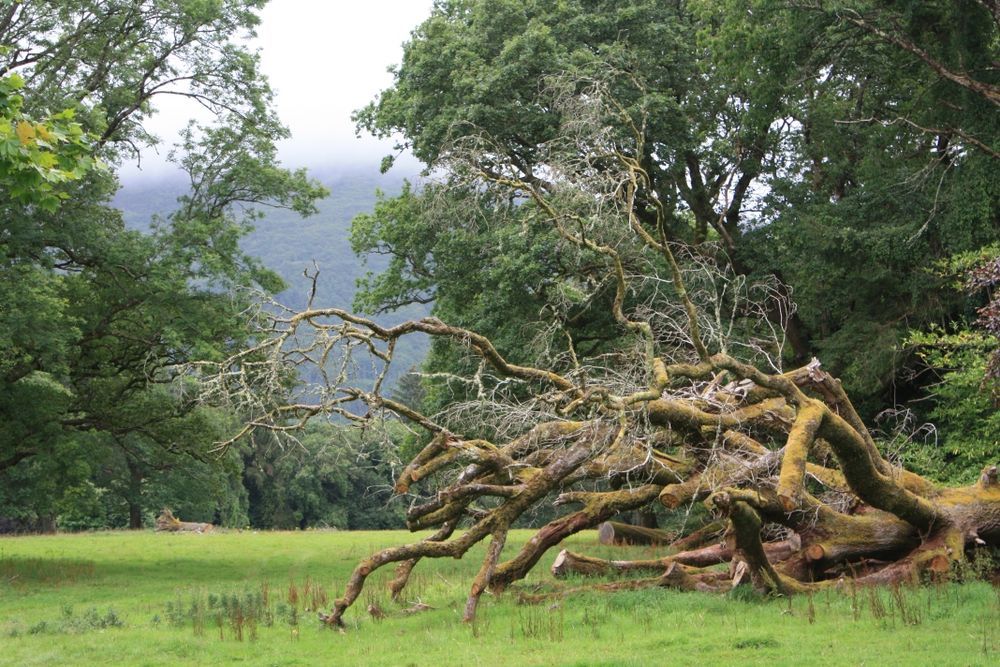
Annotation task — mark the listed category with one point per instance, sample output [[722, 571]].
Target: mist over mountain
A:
[[289, 244]]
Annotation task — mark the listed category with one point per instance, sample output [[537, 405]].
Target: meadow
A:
[[144, 598]]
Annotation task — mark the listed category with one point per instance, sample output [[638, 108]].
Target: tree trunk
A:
[[134, 516], [134, 497], [46, 524], [613, 532], [647, 519]]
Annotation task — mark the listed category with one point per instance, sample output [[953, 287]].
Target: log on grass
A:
[[612, 532], [568, 562], [169, 523]]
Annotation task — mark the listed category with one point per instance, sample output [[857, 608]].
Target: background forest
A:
[[846, 151]]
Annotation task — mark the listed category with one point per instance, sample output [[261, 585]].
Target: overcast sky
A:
[[324, 58]]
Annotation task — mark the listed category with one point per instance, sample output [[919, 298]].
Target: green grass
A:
[[126, 599]]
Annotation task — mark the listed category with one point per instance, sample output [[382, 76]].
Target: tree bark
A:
[[613, 532], [134, 496]]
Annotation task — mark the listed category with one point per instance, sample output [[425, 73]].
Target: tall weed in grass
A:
[[238, 614], [538, 622]]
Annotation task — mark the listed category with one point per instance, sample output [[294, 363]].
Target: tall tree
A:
[[795, 141], [887, 164], [105, 314], [478, 69]]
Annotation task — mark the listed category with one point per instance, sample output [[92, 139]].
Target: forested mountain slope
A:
[[289, 244]]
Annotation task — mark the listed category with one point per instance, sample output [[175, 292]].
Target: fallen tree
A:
[[167, 522], [616, 532], [682, 413]]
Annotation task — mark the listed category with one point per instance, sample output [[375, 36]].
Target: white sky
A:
[[325, 59]]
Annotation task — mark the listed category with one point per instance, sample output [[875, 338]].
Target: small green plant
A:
[[480, 625], [375, 604], [855, 602], [746, 594], [72, 624], [315, 596], [176, 613], [265, 593], [592, 622]]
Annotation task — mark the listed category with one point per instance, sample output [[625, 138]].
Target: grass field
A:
[[158, 599]]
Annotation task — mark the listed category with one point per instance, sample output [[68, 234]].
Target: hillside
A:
[[289, 244]]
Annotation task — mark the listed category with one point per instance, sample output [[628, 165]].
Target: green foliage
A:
[[832, 147], [82, 507], [36, 156], [71, 624], [964, 394], [964, 405], [970, 421], [806, 141], [286, 244], [98, 320], [884, 170], [336, 477], [484, 263], [488, 69]]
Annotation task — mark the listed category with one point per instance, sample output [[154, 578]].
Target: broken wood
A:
[[169, 523], [613, 532]]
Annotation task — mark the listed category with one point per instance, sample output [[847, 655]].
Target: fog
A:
[[324, 59]]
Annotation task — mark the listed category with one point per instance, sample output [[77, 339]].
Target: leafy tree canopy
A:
[[799, 141], [96, 318]]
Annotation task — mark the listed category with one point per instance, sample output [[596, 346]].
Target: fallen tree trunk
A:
[[169, 523], [568, 562], [898, 525], [613, 532], [710, 532]]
